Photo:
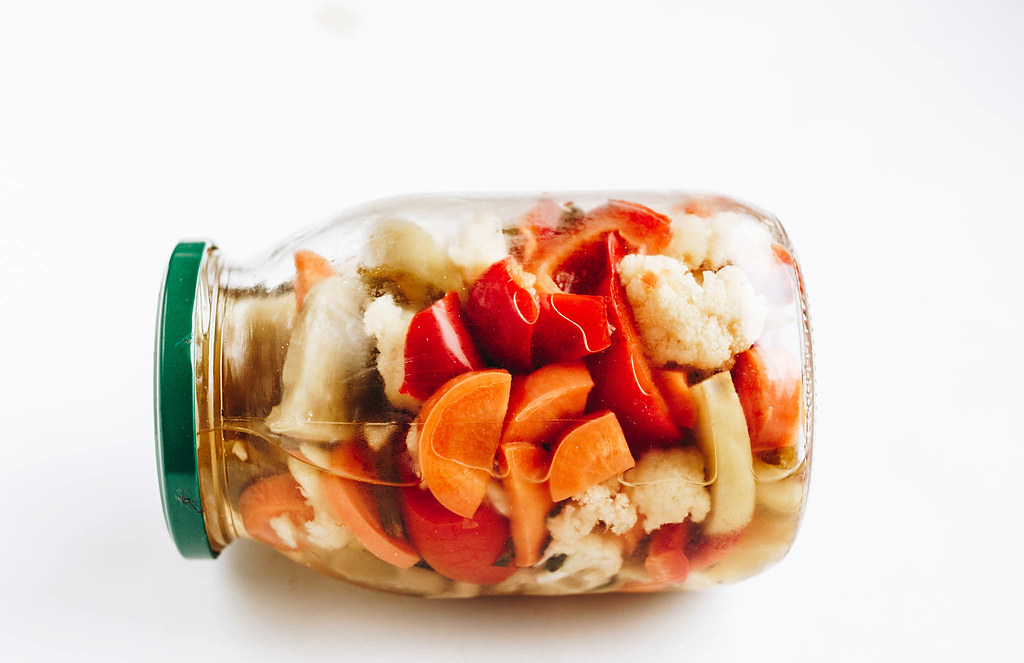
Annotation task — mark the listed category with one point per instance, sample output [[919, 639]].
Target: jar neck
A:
[[209, 327]]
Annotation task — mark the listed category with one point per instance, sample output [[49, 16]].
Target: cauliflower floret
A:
[[480, 244], [689, 323], [413, 256], [589, 558], [711, 243], [589, 562], [664, 486], [388, 322], [324, 531], [603, 503]]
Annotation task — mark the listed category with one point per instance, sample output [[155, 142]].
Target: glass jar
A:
[[471, 395]]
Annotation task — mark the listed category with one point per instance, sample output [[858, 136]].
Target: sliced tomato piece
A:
[[707, 551], [666, 560], [564, 261]]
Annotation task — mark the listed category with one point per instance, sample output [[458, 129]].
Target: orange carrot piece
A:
[[541, 404], [785, 258], [271, 498], [459, 432], [590, 453], [310, 268], [529, 499], [546, 401], [355, 507]]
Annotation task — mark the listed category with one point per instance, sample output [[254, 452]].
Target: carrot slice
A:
[[459, 432], [269, 499], [351, 459], [310, 268], [542, 404], [590, 453], [355, 507], [546, 401], [529, 499]]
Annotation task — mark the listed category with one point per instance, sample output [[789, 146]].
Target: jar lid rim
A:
[[174, 401]]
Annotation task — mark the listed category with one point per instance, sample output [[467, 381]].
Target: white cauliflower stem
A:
[[665, 487], [690, 323], [601, 504]]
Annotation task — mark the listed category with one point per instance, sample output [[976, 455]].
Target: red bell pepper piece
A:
[[569, 327], [501, 313], [437, 348], [622, 378], [768, 383], [460, 548], [666, 560], [566, 261]]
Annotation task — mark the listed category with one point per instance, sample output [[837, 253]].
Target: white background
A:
[[888, 137]]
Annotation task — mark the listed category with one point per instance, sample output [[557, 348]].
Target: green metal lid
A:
[[174, 400]]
